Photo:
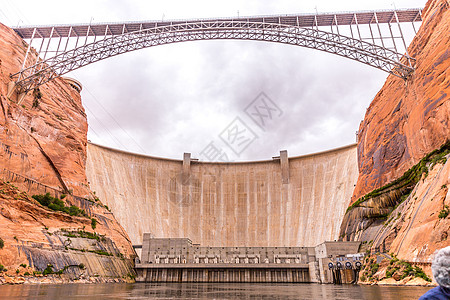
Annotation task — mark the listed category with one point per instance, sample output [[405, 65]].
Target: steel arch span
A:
[[44, 70]]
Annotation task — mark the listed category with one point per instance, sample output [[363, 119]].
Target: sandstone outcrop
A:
[[46, 142], [406, 122], [43, 149], [408, 119], [36, 236]]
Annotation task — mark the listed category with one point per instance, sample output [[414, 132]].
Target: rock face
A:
[[46, 143], [226, 204], [43, 149], [407, 120], [37, 236], [414, 230]]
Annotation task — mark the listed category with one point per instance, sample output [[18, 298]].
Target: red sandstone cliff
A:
[[46, 143], [408, 119], [43, 149]]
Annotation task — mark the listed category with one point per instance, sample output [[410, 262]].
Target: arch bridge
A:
[[375, 38]]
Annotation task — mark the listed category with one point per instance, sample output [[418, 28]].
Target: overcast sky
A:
[[177, 98]]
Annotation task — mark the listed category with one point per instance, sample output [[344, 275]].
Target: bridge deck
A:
[[301, 20]]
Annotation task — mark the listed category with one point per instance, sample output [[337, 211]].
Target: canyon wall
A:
[[406, 121], [226, 204], [43, 142], [414, 230]]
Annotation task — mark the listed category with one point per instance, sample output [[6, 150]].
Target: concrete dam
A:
[[295, 201]]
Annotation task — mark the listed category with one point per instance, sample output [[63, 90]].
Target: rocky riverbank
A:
[[55, 279], [384, 269], [41, 244], [43, 150]]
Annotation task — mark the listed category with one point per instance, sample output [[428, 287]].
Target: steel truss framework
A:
[[301, 30]]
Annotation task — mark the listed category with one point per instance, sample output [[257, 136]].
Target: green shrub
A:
[[2, 243], [74, 210], [409, 179], [37, 95], [26, 274], [17, 271], [374, 268], [93, 223], [58, 205], [444, 213], [23, 265], [85, 234], [2, 267], [60, 272], [100, 252], [48, 270], [420, 273], [405, 270], [81, 266]]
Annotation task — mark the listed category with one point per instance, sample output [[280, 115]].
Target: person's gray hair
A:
[[441, 267]]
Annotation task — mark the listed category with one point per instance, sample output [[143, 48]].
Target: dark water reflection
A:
[[208, 291]]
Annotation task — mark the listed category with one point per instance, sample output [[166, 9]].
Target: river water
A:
[[209, 291]]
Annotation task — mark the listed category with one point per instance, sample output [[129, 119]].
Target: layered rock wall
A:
[[226, 204], [43, 149], [408, 119], [45, 142], [414, 230]]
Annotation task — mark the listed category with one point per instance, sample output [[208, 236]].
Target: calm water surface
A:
[[208, 291]]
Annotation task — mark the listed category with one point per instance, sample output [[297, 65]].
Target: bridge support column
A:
[[20, 97], [11, 88]]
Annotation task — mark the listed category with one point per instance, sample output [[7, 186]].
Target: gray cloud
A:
[[177, 98]]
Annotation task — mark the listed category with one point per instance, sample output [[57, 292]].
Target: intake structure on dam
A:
[[178, 260], [297, 201]]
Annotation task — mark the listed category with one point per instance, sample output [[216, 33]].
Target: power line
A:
[[92, 128], [18, 12], [6, 17], [107, 130], [114, 119]]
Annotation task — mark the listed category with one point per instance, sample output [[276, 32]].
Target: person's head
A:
[[441, 267]]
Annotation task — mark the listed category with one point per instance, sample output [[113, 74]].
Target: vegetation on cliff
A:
[[57, 204], [444, 212], [389, 196], [395, 268]]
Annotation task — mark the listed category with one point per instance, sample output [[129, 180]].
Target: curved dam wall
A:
[[227, 204]]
